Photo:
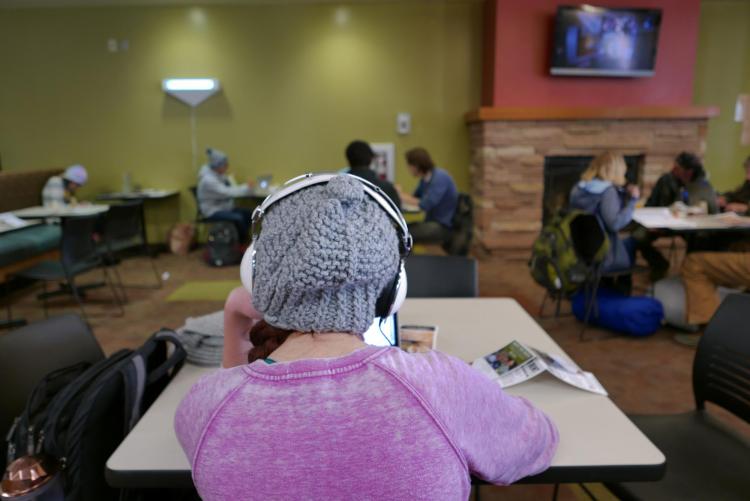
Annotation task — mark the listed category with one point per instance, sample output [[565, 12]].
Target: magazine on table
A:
[[9, 221], [516, 363]]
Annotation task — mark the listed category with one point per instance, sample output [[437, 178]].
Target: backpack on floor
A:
[[554, 263], [223, 246], [79, 415], [634, 315]]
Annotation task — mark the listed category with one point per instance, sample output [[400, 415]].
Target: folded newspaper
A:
[[516, 363]]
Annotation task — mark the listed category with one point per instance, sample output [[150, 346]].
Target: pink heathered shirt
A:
[[378, 423]]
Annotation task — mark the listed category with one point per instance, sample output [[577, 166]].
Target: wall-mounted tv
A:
[[600, 41]]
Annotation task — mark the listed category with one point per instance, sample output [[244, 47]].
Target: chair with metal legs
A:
[[124, 231], [78, 254], [588, 237]]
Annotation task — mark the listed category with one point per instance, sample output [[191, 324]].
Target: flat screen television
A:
[[599, 41]]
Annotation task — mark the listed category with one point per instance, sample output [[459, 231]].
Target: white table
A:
[[661, 218], [145, 194], [597, 441], [41, 211]]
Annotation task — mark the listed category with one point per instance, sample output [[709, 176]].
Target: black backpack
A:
[[80, 414], [555, 263], [223, 246]]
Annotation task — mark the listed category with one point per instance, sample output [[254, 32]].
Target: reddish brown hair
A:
[[419, 158], [265, 338]]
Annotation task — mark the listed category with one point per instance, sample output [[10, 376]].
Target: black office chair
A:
[[588, 236], [198, 216], [78, 254], [31, 352], [705, 458], [124, 232], [458, 242], [441, 276]]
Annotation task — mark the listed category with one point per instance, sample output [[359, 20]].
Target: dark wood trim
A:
[[10, 268], [592, 113]]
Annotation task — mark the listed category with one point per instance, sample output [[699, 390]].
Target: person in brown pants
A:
[[702, 273]]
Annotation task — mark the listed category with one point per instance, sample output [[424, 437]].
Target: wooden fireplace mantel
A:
[[592, 113]]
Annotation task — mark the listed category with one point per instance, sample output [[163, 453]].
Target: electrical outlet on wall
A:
[[403, 123], [112, 45]]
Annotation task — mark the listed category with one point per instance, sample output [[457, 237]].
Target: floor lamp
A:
[[191, 91]]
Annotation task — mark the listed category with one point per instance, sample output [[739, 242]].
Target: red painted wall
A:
[[520, 55]]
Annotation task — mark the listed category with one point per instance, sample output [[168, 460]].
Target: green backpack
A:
[[554, 263]]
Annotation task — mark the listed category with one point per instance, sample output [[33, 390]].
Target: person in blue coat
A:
[[603, 191], [436, 195]]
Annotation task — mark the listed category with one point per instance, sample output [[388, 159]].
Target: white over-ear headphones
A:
[[392, 297]]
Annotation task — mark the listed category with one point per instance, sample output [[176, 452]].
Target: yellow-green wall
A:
[[299, 82], [723, 72]]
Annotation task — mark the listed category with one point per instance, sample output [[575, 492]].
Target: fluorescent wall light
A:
[[190, 84], [191, 91]]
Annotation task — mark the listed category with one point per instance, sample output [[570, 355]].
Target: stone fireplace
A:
[[509, 147]]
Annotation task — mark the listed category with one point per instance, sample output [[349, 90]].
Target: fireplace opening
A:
[[561, 173]]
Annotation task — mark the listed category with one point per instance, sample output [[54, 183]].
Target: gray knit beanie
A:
[[216, 158], [324, 256]]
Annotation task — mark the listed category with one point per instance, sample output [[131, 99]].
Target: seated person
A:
[[216, 194], [702, 273], [436, 195], [61, 190], [360, 156], [602, 191], [738, 200], [686, 183], [311, 411]]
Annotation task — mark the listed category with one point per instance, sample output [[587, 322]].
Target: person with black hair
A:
[[359, 154], [685, 183]]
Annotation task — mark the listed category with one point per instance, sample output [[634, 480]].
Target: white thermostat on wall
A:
[[403, 123]]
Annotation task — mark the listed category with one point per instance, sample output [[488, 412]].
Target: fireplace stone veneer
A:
[[507, 171]]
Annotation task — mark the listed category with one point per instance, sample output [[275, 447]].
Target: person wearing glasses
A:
[[304, 409]]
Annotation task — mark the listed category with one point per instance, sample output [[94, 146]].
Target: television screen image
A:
[[597, 41]]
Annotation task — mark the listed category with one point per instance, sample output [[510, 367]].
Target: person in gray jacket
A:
[[602, 191], [216, 194]]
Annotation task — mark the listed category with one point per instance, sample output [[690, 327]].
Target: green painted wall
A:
[[723, 72], [299, 82]]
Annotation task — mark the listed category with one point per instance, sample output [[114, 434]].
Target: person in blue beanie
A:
[[216, 194]]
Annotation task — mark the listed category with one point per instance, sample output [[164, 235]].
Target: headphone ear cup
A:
[[393, 295], [247, 268], [400, 292]]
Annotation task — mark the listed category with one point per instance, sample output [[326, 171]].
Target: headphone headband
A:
[[374, 192]]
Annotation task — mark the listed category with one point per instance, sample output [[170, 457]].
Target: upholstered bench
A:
[[25, 247]]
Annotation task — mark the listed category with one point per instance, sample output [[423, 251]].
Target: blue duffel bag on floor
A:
[[634, 315]]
